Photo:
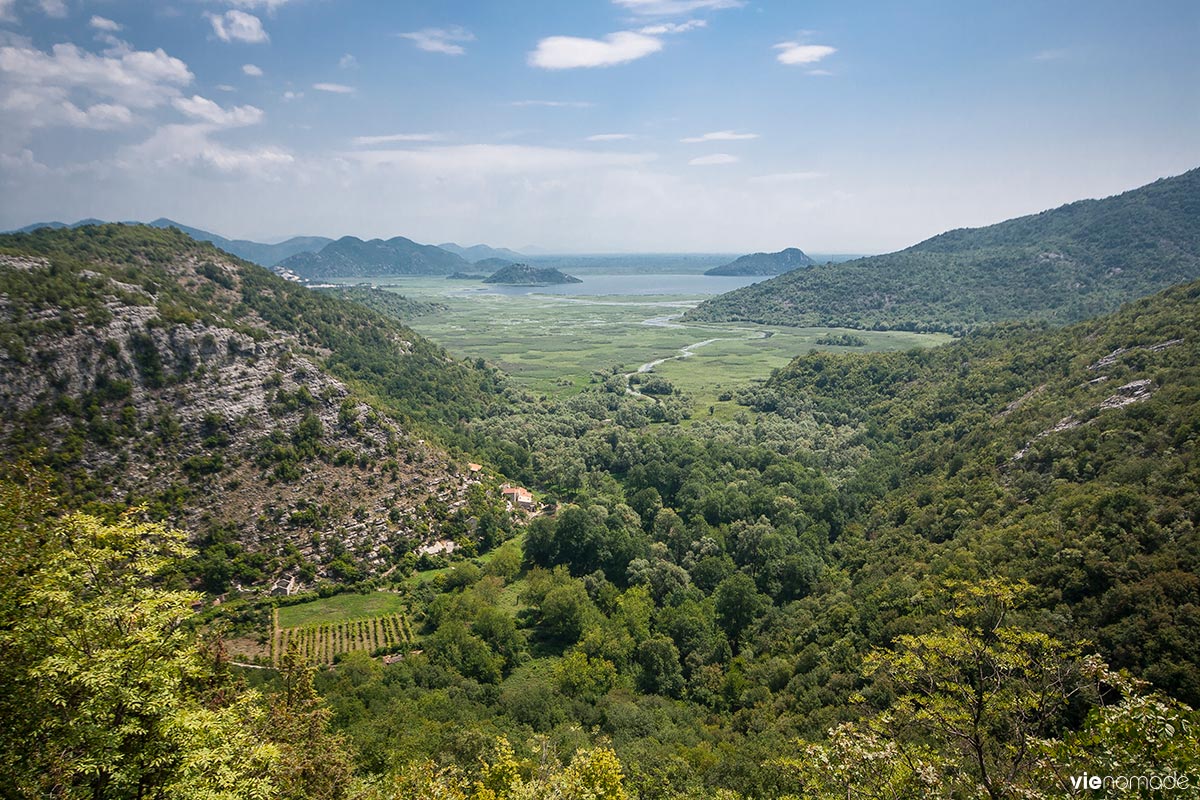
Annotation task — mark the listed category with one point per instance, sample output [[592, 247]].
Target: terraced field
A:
[[325, 629]]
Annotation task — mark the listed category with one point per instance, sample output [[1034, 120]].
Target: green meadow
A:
[[340, 608], [556, 344]]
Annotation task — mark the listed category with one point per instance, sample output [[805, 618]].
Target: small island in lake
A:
[[465, 276], [525, 275]]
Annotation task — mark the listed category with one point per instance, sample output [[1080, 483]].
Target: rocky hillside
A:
[[143, 367]]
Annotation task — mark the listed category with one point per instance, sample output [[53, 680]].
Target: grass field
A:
[[553, 344], [341, 608]]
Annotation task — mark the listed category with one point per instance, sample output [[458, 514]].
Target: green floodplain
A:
[[554, 344]]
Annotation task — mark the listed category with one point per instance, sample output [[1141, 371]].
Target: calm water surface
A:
[[599, 285]]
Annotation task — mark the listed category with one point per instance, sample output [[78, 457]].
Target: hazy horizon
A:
[[608, 126]]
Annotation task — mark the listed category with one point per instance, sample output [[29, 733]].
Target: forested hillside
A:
[[765, 263], [963, 572], [1062, 265], [351, 257]]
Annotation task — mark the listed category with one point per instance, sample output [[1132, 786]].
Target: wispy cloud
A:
[[571, 52], [334, 88], [797, 53], [53, 8], [551, 104], [192, 146], [440, 40], [205, 110], [1050, 55], [104, 24], [666, 8], [474, 159], [268, 5], [673, 27], [238, 26], [347, 62], [720, 136], [252, 70], [609, 137], [393, 138], [714, 160], [787, 177]]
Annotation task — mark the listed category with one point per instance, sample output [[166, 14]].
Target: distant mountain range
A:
[[267, 255], [525, 275], [351, 257], [765, 263], [480, 252], [1062, 265]]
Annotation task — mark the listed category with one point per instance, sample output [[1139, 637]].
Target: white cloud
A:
[[268, 5], [6, 7], [665, 8], [347, 62], [796, 53], [71, 87], [570, 52], [290, 96], [238, 26], [334, 88], [252, 70], [440, 40], [472, 160], [225, 87], [713, 160], [205, 110], [786, 177], [392, 138], [672, 27], [53, 8], [820, 73], [191, 145], [104, 24], [609, 137], [720, 136], [551, 104]]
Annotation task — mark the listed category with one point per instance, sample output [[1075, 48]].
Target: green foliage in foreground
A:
[[104, 692], [1062, 265]]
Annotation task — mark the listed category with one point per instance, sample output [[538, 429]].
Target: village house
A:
[[518, 497]]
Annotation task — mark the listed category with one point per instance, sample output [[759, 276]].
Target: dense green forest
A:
[[964, 572], [1062, 265]]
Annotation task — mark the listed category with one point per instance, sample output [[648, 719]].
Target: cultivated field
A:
[[323, 629]]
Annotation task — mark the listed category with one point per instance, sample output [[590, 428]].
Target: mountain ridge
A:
[[1060, 265], [785, 260], [480, 252], [266, 255], [350, 256]]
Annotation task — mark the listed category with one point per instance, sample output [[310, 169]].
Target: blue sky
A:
[[590, 125]]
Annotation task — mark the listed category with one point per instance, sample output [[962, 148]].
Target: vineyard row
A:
[[319, 644]]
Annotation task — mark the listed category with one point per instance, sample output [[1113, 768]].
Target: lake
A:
[[598, 285]]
